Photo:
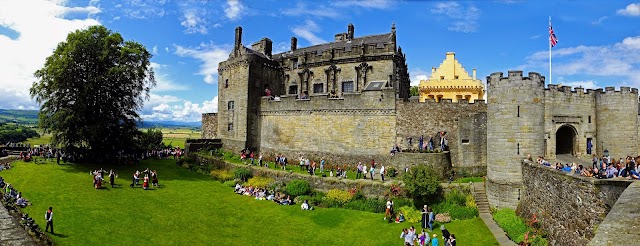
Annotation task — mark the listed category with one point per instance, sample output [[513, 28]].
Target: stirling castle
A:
[[348, 101]]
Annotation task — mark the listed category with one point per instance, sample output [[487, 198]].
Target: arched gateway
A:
[[566, 140]]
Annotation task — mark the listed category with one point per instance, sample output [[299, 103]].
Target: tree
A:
[[91, 88], [421, 182], [151, 139], [414, 91]]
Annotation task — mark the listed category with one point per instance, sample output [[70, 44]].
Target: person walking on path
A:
[[382, 172], [48, 216]]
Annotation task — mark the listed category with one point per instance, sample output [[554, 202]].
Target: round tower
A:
[[616, 122], [515, 129]]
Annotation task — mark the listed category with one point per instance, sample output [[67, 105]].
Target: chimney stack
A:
[[294, 43], [474, 74], [238, 37], [350, 30]]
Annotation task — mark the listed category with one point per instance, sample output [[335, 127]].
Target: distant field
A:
[[171, 136]]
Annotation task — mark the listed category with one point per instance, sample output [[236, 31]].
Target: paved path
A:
[[11, 233], [485, 214]]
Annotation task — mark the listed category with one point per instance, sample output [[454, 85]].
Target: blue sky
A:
[[599, 44]]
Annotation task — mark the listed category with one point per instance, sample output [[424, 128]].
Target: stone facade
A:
[[209, 125], [524, 118], [451, 81], [569, 207]]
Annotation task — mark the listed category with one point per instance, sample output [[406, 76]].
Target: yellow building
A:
[[451, 81]]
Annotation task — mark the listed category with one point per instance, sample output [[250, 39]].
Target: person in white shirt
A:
[[382, 170]]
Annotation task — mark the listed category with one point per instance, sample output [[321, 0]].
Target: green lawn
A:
[[43, 139], [176, 137], [192, 209]]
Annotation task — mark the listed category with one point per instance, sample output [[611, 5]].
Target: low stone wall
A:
[[620, 227], [569, 207]]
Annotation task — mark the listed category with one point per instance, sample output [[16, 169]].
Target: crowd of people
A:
[[263, 194], [410, 237], [426, 144], [603, 167], [147, 176], [11, 195]]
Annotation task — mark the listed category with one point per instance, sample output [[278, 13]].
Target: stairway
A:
[[481, 198]]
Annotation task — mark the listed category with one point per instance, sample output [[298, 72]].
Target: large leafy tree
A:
[[422, 183], [91, 88]]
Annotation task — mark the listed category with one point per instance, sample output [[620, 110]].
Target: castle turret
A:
[[617, 122], [515, 129]]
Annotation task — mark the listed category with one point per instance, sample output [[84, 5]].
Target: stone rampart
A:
[[620, 227], [569, 207], [466, 130], [209, 125]]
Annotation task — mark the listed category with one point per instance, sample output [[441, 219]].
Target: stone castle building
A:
[[451, 81], [348, 101]]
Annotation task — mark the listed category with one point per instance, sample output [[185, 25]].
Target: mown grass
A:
[[468, 180], [176, 137], [191, 209]]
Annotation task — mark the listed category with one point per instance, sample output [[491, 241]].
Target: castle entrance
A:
[[566, 139]]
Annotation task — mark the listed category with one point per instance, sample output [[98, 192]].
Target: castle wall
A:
[[617, 121], [472, 150], [209, 126], [564, 106], [233, 77], [358, 126], [515, 128], [415, 119], [568, 207]]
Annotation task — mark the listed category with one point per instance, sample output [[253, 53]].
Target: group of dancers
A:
[[98, 178], [148, 175]]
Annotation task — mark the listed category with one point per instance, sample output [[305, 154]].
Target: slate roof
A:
[[378, 39]]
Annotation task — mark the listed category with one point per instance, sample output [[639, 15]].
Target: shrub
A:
[[298, 187], [401, 202], [314, 200], [456, 211], [243, 174], [514, 226], [443, 218], [338, 196], [186, 165], [411, 214], [222, 175], [230, 183], [373, 205], [395, 189], [471, 201], [392, 172], [259, 182], [456, 196], [421, 182]]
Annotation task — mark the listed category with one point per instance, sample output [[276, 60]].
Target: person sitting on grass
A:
[[286, 201], [237, 188], [21, 202], [305, 205], [400, 218]]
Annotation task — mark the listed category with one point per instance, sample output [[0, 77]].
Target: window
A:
[[318, 88], [230, 127], [518, 148], [226, 83], [293, 89], [589, 118], [230, 105], [455, 77], [458, 97], [465, 141], [294, 63], [347, 86], [518, 111], [441, 77], [468, 97]]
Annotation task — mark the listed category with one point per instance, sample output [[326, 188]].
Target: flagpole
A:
[[550, 77]]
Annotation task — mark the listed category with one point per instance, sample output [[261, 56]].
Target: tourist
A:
[[322, 165], [445, 234], [432, 219], [48, 216], [400, 218], [610, 172], [382, 172], [260, 161], [301, 164], [313, 168], [434, 241], [372, 171], [452, 240], [359, 170], [145, 184], [364, 171], [409, 236], [112, 177], [430, 142], [286, 201], [423, 238], [388, 211], [420, 142], [307, 164], [305, 205], [425, 217]]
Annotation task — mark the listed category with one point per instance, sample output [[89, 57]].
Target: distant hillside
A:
[[23, 117], [30, 117]]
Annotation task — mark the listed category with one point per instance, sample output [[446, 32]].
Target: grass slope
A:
[[191, 209]]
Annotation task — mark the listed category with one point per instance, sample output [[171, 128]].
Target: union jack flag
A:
[[552, 36]]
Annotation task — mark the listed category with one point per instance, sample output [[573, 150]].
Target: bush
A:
[[456, 196], [373, 205], [259, 182], [298, 187], [338, 196], [222, 175], [471, 201], [411, 214], [514, 226], [392, 172], [243, 174], [230, 183], [443, 218], [421, 182], [314, 200], [456, 211], [401, 202]]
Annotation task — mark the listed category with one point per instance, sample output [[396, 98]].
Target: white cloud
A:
[[144, 9], [194, 21], [599, 20], [535, 36], [631, 10], [40, 26], [615, 60], [155, 50], [166, 49], [234, 9], [317, 10], [116, 18], [178, 109], [163, 82], [417, 75], [210, 55], [374, 4], [307, 31], [587, 84], [463, 18], [281, 47]]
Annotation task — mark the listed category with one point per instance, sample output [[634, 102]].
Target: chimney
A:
[[238, 37], [350, 30], [294, 43], [263, 46], [474, 74]]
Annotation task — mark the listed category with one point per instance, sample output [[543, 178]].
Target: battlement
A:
[[209, 114], [443, 101], [383, 99], [580, 90], [516, 76]]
